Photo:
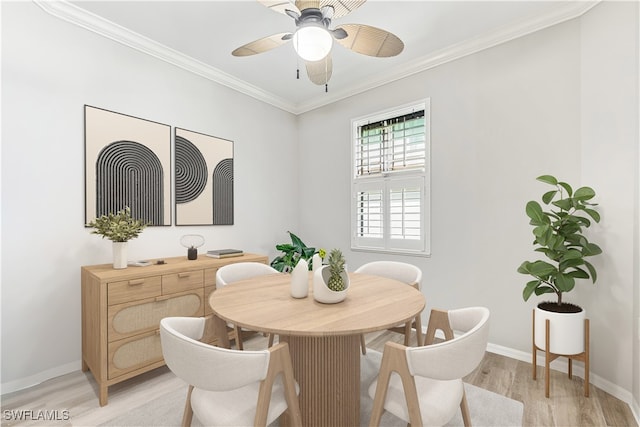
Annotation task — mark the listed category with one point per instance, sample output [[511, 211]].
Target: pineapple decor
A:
[[336, 268]]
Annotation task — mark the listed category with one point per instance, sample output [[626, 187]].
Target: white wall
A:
[[500, 118], [50, 69], [609, 132]]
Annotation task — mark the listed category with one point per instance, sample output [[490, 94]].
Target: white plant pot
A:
[[322, 293], [119, 255], [566, 331], [300, 280]]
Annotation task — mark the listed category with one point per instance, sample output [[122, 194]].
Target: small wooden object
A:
[[550, 357]]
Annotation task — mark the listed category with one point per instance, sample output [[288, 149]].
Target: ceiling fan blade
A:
[[262, 45], [319, 72], [370, 41], [341, 7], [279, 6], [306, 4]]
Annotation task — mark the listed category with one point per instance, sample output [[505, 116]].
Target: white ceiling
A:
[[200, 35]]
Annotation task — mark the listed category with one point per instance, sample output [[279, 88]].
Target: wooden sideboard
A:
[[121, 312]]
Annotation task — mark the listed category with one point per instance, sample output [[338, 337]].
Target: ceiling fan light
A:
[[312, 43]]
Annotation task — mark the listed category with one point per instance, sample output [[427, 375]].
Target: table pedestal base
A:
[[328, 372]]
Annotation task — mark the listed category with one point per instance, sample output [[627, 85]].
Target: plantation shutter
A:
[[390, 207]]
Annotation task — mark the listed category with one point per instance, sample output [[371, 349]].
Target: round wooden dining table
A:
[[324, 339]]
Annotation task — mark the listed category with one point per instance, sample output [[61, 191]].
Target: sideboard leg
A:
[[104, 396]]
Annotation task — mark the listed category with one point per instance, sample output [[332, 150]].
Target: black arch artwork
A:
[[130, 174], [191, 171], [203, 179], [223, 193]]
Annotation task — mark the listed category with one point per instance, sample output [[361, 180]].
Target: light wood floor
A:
[[76, 393]]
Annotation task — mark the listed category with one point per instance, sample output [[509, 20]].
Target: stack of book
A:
[[224, 253]]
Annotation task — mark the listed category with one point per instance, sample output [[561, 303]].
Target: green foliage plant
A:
[[291, 254], [118, 227], [559, 236]]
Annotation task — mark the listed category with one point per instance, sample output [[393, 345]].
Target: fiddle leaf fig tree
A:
[[558, 235]]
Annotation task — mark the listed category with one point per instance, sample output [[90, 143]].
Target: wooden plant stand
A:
[[550, 357]]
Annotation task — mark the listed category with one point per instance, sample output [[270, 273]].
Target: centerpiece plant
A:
[[292, 253]]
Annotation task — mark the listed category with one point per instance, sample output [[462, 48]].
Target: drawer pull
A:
[[184, 275], [136, 282], [163, 298]]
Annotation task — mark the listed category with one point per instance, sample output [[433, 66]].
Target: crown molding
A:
[[82, 18], [556, 15], [92, 22]]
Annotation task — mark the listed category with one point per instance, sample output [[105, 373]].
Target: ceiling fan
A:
[[313, 37]]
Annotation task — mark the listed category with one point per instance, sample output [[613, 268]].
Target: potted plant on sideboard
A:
[[119, 228], [558, 235]]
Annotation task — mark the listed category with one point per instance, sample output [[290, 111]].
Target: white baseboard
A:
[[40, 377]]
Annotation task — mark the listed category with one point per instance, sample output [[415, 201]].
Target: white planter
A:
[[300, 280], [566, 331], [322, 293], [119, 255], [316, 262]]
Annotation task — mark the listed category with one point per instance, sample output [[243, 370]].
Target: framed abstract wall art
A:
[[127, 163], [203, 179]]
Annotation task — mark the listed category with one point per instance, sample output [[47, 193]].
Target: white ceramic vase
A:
[[566, 331], [322, 293], [300, 280], [316, 262], [119, 255]]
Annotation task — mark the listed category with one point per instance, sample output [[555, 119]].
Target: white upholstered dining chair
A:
[[241, 271], [229, 387], [426, 387], [402, 272]]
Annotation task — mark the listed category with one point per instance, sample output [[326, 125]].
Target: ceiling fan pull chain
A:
[[326, 87], [298, 73]]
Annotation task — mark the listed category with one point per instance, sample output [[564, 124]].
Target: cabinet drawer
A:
[[134, 353], [130, 319], [134, 289], [183, 281]]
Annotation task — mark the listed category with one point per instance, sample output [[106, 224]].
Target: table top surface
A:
[[265, 303]]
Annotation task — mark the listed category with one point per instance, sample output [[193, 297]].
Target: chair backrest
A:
[[458, 357], [205, 366], [400, 271], [241, 271]]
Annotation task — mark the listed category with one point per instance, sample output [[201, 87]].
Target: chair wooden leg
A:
[[271, 340], [279, 363], [464, 407], [188, 411], [394, 360], [407, 332], [238, 334], [363, 345], [418, 324]]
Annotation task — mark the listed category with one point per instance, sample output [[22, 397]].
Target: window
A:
[[390, 191]]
